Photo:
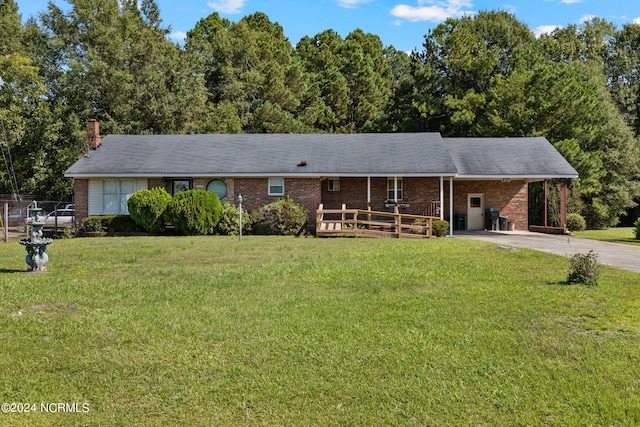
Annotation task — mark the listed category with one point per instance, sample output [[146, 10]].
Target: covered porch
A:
[[464, 202]]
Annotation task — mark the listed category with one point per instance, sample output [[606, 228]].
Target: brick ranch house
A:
[[421, 173]]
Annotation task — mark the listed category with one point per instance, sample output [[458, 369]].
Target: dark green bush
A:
[[636, 228], [284, 217], [93, 224], [228, 224], [584, 268], [123, 224], [576, 222], [194, 212], [147, 208], [110, 223], [439, 227]]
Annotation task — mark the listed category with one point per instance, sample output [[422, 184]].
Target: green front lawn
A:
[[284, 331], [614, 234]]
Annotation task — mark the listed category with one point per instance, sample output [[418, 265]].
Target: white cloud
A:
[[586, 18], [227, 6], [570, 1], [545, 29], [432, 10], [178, 36], [636, 21], [351, 4]]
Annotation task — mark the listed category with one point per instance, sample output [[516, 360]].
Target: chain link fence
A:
[[59, 214]]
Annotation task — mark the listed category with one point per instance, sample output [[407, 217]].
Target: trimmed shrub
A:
[[284, 217], [92, 224], [111, 223], [228, 224], [584, 268], [576, 222], [147, 208], [123, 224], [194, 212], [440, 227], [636, 228]]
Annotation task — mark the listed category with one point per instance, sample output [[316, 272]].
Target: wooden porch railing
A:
[[367, 223]]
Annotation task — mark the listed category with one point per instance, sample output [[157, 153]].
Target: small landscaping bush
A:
[[92, 224], [584, 268], [194, 212], [576, 222], [111, 223], [229, 217], [439, 228], [284, 217], [636, 229], [147, 208]]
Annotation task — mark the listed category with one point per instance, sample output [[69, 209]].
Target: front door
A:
[[475, 212]]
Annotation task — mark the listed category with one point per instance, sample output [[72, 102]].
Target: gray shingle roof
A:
[[381, 154], [508, 158], [268, 154]]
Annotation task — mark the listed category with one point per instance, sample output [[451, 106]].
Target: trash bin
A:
[[461, 222], [504, 223], [492, 219]]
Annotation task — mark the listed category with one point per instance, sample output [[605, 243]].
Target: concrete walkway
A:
[[618, 255]]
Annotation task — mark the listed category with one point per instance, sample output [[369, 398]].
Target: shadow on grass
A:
[[562, 283], [11, 270]]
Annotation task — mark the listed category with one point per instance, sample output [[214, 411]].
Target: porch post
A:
[[442, 197], [545, 203], [369, 192], [450, 206], [563, 202], [395, 189]]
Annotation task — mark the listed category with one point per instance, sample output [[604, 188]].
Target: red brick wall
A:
[[155, 183], [417, 193], [508, 198], [305, 191], [81, 199]]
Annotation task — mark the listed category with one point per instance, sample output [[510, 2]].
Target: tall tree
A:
[[461, 59], [33, 155], [251, 68], [624, 74], [113, 62]]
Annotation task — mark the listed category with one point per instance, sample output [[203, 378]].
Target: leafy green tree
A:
[[112, 61], [34, 154], [461, 59], [624, 75], [571, 106], [251, 67], [321, 55]]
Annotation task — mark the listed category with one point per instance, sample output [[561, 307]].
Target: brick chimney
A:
[[93, 138]]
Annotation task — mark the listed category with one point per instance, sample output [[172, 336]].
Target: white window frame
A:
[[275, 183], [390, 188], [333, 184]]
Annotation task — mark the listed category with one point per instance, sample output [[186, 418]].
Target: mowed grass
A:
[[207, 331], [614, 235]]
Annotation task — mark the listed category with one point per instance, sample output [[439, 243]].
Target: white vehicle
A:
[[65, 218]]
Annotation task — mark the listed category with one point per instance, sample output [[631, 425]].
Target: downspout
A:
[[368, 192]]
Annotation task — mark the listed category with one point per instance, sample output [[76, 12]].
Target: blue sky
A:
[[401, 23]]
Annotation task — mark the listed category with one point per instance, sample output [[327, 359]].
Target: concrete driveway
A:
[[618, 255]]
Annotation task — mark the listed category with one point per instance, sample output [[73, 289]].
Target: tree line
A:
[[482, 75]]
